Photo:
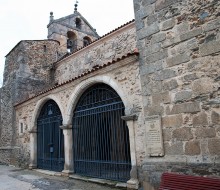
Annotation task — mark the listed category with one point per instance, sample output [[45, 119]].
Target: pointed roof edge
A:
[[72, 15]]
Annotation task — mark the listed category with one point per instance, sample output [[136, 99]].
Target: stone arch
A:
[[81, 88], [39, 106], [86, 41]]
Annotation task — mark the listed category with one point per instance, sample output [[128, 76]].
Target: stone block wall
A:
[[179, 63], [109, 48], [27, 71]]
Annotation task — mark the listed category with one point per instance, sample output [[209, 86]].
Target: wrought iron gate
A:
[[100, 137], [50, 141]]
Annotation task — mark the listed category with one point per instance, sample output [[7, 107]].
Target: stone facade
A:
[[179, 64], [165, 65], [27, 71]]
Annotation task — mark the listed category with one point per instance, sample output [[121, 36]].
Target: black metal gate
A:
[[100, 137], [50, 140]]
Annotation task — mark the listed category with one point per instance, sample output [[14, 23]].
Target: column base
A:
[[32, 166], [132, 184], [67, 172]]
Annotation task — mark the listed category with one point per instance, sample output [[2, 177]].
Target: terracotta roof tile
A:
[[135, 52]]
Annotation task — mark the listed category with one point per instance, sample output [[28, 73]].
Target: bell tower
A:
[[72, 31]]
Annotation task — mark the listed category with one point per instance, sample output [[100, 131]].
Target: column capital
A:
[[132, 117], [67, 127], [34, 130]]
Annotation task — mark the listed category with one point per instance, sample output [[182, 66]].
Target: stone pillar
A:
[[33, 148], [68, 149], [133, 183]]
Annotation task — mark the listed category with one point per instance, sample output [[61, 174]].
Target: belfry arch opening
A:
[[50, 140], [71, 41], [86, 41], [78, 23], [101, 147]]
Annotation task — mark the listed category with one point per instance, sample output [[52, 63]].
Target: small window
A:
[[21, 128], [45, 48], [78, 23]]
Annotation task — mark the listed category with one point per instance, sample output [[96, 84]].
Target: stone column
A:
[[68, 149], [133, 183], [33, 148]]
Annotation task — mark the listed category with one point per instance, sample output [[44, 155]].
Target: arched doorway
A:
[[101, 146], [50, 141]]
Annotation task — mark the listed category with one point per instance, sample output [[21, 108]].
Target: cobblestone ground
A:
[[12, 178]]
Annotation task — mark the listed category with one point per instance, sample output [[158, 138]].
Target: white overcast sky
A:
[[28, 19]]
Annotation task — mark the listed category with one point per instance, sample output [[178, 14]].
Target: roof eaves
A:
[[135, 52]]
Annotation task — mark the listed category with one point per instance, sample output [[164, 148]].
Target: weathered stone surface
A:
[[183, 134], [171, 42], [158, 38], [186, 108], [154, 110], [200, 120], [205, 132], [170, 85], [202, 86], [152, 87], [168, 24], [161, 4], [182, 95], [151, 67], [148, 2], [191, 34], [192, 148], [151, 19], [181, 58], [190, 77], [212, 25], [182, 27], [215, 117], [156, 56], [159, 98], [152, 29], [167, 134], [174, 149], [172, 121], [152, 49], [192, 65], [164, 74], [146, 11], [214, 146], [210, 48]]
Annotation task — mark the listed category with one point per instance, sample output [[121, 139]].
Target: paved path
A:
[[12, 178]]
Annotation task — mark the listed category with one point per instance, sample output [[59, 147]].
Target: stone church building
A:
[[142, 100]]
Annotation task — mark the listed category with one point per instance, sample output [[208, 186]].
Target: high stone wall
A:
[[27, 71], [179, 45]]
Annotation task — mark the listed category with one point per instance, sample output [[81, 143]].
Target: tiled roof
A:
[[135, 52]]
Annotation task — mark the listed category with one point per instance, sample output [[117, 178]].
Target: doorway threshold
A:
[[48, 172], [115, 184], [99, 181]]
